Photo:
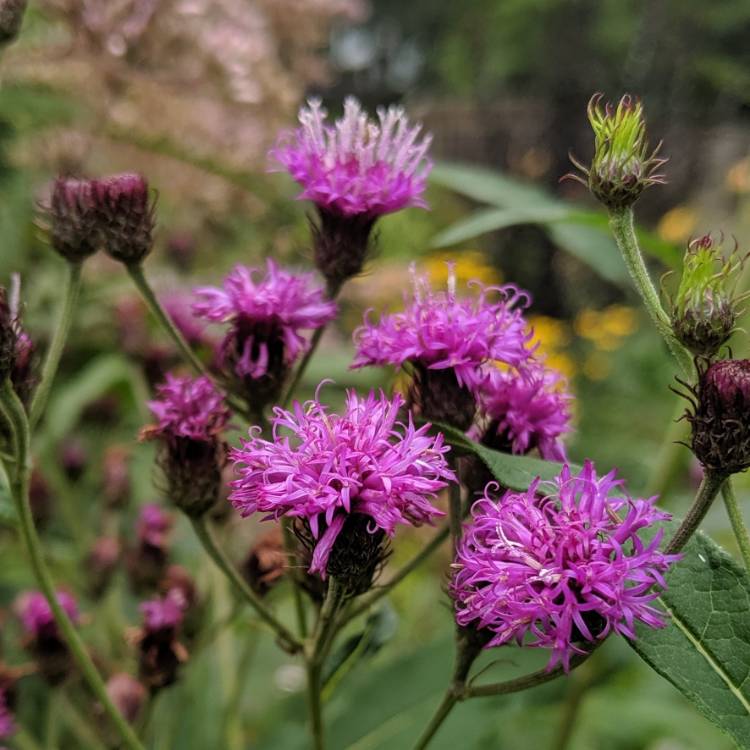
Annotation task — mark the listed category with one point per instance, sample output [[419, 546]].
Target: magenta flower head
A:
[[560, 566], [190, 416], [36, 615], [153, 525], [526, 409], [350, 479], [267, 316], [160, 654], [164, 613], [447, 340], [354, 170], [124, 216]]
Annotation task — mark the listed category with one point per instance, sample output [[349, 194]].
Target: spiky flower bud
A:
[[125, 216], [72, 219], [705, 309], [11, 18], [721, 417], [622, 167]]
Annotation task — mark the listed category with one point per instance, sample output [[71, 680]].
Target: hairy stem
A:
[[707, 491], [455, 513], [314, 705], [70, 293], [623, 230], [738, 524], [214, 551], [19, 482]]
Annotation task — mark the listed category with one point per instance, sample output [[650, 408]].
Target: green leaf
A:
[[705, 649], [514, 472]]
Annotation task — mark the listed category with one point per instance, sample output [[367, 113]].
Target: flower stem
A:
[[333, 292], [378, 593], [135, 271], [325, 630], [214, 551], [19, 483], [707, 491], [455, 514], [441, 714], [70, 293], [738, 524], [291, 554], [623, 230]]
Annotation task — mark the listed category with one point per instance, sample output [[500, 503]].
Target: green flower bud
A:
[[705, 309], [622, 167]]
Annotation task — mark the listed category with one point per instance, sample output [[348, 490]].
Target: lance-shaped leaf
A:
[[705, 649]]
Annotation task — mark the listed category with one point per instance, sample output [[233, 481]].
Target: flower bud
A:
[[116, 476], [72, 219], [160, 652], [42, 637], [128, 695], [147, 561], [125, 217], [102, 563], [11, 18], [622, 167], [720, 418], [266, 562], [705, 310]]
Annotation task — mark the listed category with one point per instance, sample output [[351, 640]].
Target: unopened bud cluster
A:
[[114, 214]]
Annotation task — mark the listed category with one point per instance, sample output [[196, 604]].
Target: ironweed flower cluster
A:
[[560, 566], [362, 469], [447, 341]]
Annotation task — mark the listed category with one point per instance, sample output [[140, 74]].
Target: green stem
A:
[[623, 230], [291, 554], [707, 491], [325, 630], [206, 538], [314, 707], [70, 293], [135, 271], [333, 292], [441, 714], [378, 593], [20, 489], [738, 523]]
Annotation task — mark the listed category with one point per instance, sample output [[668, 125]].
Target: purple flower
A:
[[560, 565], [266, 315], [527, 408], [440, 331], [188, 407], [335, 466], [357, 166], [36, 614], [153, 525], [164, 613], [7, 722]]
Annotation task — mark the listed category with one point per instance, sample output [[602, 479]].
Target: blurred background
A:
[[192, 93]]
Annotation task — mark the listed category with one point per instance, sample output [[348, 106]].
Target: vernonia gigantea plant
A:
[[540, 553]]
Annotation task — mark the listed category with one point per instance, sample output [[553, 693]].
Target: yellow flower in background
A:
[[738, 176], [553, 336], [677, 225], [597, 366], [470, 265], [606, 328]]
